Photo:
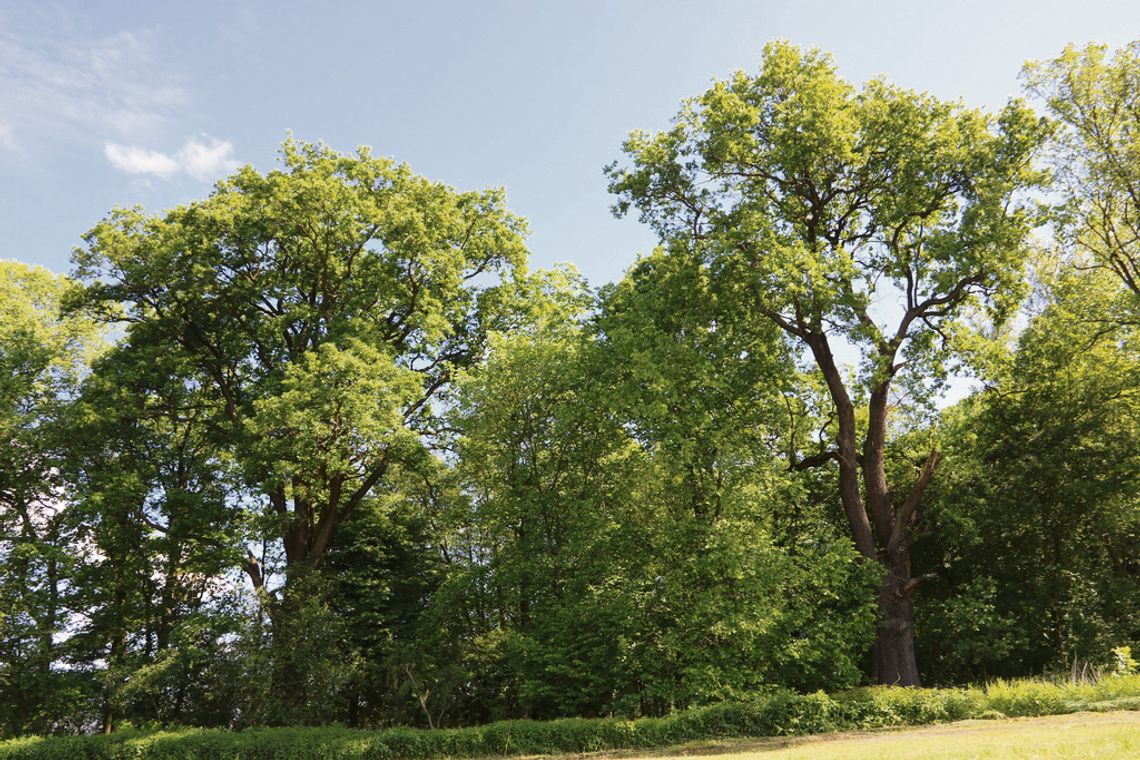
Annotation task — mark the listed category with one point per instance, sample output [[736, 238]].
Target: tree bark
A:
[[875, 466], [894, 659], [847, 454]]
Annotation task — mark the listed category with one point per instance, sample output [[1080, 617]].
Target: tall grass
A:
[[1026, 697]]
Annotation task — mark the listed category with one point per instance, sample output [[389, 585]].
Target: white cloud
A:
[[135, 160], [201, 159], [204, 161]]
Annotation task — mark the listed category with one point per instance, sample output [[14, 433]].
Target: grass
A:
[[1103, 736]]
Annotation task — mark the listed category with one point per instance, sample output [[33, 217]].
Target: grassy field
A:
[[1104, 736]]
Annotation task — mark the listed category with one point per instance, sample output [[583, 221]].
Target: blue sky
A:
[[123, 103]]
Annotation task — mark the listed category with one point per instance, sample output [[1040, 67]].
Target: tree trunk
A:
[[884, 535], [114, 661], [894, 660]]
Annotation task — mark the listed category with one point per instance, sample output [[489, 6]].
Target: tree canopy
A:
[[1094, 98], [325, 304]]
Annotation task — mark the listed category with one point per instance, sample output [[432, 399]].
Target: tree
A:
[[1037, 517], [1096, 100], [44, 352], [149, 504], [548, 472], [621, 471], [749, 581], [325, 305], [822, 198], [385, 571]]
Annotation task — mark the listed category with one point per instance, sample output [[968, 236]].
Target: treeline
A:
[[321, 449]]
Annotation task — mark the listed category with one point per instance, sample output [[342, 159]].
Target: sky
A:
[[106, 104]]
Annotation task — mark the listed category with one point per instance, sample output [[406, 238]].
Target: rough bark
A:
[[894, 658]]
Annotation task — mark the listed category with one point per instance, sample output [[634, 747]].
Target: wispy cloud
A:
[[201, 159], [6, 141], [57, 79]]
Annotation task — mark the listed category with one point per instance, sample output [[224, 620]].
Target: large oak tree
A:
[[869, 218], [325, 304]]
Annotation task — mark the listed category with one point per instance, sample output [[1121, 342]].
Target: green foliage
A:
[[744, 560], [1097, 151], [777, 713], [1123, 664], [808, 200], [285, 343], [1038, 510], [548, 479], [324, 305], [44, 351], [789, 176], [616, 473]]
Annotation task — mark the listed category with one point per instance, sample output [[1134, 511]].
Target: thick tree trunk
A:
[[894, 659]]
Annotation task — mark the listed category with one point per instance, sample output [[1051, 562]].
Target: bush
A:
[[774, 713], [1017, 699]]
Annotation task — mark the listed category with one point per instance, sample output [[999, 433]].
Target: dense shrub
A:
[[776, 713]]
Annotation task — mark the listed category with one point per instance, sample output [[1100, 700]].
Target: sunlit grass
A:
[[1103, 736]]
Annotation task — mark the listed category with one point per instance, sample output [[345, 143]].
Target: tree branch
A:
[[815, 460], [910, 586], [909, 509], [253, 569]]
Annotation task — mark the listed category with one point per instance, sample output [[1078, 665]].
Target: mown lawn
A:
[[1103, 736]]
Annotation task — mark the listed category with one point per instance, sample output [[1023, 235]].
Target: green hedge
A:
[[778, 713]]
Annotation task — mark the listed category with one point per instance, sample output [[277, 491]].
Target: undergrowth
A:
[[778, 713]]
